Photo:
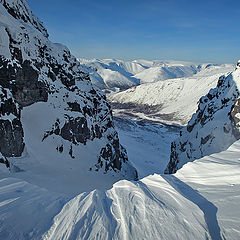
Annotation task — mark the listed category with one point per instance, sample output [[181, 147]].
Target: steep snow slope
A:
[[200, 201], [216, 178], [170, 101], [125, 74], [53, 121], [114, 73], [166, 71], [214, 126]]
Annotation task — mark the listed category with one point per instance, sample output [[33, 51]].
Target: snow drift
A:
[[200, 201]]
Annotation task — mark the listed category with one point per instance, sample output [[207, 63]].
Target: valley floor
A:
[[147, 143], [200, 201]]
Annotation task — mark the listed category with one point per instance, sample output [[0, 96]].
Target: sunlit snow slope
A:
[[119, 75], [214, 126], [64, 152], [201, 201], [169, 101]]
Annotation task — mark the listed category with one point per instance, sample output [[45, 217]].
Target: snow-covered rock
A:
[[20, 10], [51, 116], [214, 126]]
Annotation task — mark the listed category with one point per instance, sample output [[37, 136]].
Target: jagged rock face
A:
[[213, 128], [34, 70], [23, 82], [235, 117], [11, 132], [20, 10]]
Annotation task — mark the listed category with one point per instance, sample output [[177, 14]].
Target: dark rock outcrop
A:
[[213, 128], [23, 82], [34, 70], [11, 131]]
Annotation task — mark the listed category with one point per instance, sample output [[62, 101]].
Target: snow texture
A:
[[49, 191], [200, 201]]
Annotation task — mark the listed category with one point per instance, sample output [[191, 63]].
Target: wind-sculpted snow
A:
[[200, 201], [148, 209], [214, 126], [51, 116], [26, 210], [61, 163]]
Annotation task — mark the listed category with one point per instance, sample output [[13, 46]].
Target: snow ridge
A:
[[200, 201], [146, 209]]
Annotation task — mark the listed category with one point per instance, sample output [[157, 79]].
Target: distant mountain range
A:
[[118, 74]]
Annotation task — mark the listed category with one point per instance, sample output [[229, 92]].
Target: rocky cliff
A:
[[214, 126], [47, 100]]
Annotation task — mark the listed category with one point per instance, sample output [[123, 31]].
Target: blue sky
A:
[[151, 29]]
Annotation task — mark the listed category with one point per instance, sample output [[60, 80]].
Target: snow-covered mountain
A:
[[163, 70], [61, 158], [214, 126], [112, 74], [118, 74], [54, 124], [170, 101]]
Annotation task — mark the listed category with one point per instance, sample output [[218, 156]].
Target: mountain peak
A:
[[50, 113], [20, 10]]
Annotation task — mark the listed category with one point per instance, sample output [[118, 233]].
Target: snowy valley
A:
[[172, 101], [113, 149]]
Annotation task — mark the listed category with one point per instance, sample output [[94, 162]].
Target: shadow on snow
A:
[[208, 208]]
